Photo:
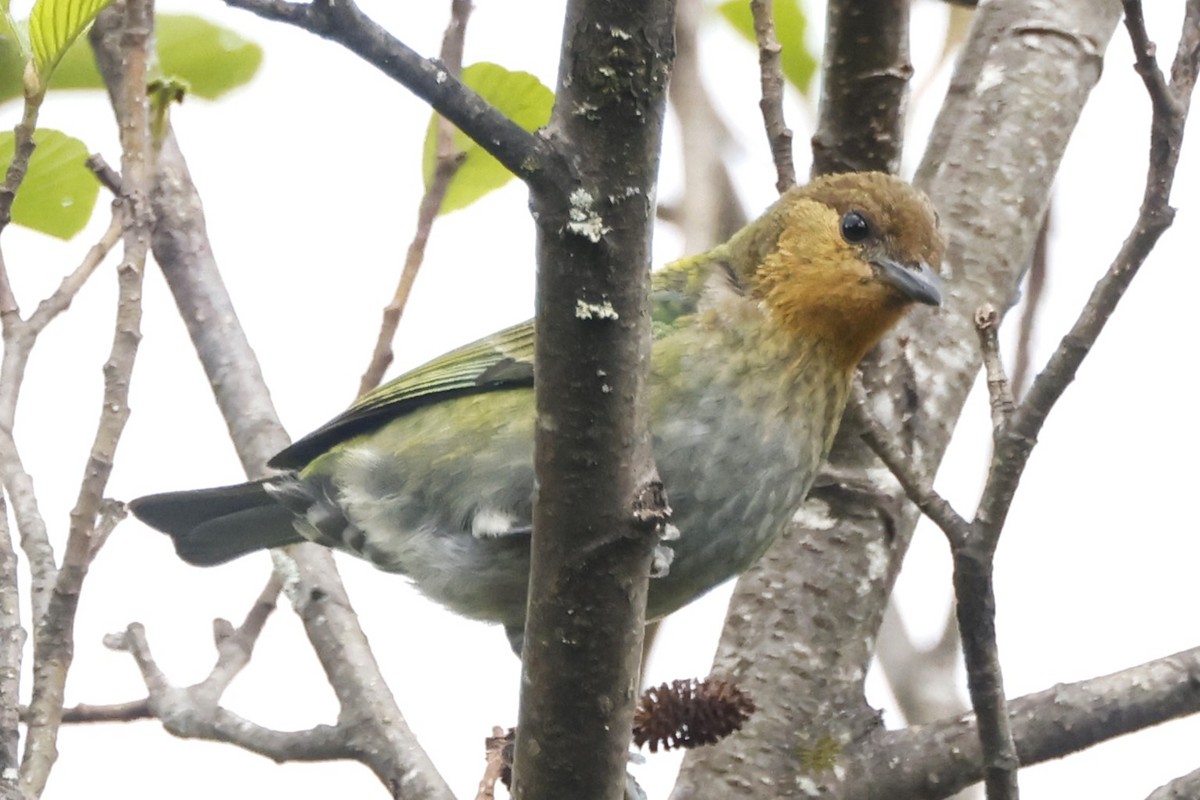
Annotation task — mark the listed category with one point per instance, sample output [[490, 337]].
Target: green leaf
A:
[[519, 96], [54, 25], [59, 191], [799, 65], [211, 59], [13, 57]]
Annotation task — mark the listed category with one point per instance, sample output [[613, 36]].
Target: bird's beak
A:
[[918, 283]]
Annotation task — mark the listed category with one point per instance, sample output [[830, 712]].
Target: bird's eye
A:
[[855, 228]]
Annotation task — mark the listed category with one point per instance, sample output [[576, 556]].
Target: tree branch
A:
[[379, 735], [803, 652], [194, 712], [935, 761], [528, 156], [447, 164], [12, 647], [867, 70], [1184, 787], [779, 135], [599, 507], [53, 641], [987, 325]]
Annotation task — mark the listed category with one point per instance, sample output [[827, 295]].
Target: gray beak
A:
[[918, 283]]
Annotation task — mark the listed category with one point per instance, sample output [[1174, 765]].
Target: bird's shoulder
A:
[[503, 360]]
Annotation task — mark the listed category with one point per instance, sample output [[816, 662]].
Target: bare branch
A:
[[528, 156], [1035, 290], [193, 713], [937, 760], [917, 486], [445, 167], [23, 145], [108, 177], [19, 338], [379, 736], [12, 647], [1185, 787], [1154, 217], [975, 606], [778, 133], [53, 645], [1162, 97], [83, 713], [987, 323]]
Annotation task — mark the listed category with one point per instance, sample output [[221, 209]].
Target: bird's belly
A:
[[730, 502]]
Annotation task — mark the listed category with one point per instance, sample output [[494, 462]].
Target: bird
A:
[[755, 347]]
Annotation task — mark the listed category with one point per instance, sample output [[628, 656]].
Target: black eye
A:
[[855, 228]]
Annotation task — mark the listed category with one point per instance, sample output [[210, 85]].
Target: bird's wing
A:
[[503, 360], [675, 291]]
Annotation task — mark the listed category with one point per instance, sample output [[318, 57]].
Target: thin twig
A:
[[779, 135], [236, 646], [187, 713], [379, 736], [53, 646], [917, 486], [108, 177], [1035, 291], [1154, 217], [86, 713], [987, 324], [23, 145], [1145, 64], [445, 167]]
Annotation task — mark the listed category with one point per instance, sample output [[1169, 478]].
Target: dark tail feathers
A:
[[212, 526]]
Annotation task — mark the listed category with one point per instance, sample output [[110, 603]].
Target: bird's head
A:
[[844, 257]]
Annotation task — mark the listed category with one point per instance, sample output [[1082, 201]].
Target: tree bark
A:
[[802, 623], [599, 503]]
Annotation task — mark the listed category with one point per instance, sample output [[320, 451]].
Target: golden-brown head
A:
[[853, 252]]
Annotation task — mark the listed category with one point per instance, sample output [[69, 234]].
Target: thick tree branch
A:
[[1185, 787], [867, 69], [599, 507], [803, 651], [935, 761]]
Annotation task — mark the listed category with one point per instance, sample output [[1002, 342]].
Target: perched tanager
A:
[[755, 347]]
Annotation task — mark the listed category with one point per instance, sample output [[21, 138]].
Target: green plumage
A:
[[432, 474]]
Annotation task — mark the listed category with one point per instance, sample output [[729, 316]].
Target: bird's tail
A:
[[212, 526]]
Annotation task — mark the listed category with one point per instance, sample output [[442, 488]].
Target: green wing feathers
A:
[[503, 360]]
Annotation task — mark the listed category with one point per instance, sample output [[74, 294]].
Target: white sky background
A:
[[311, 177]]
